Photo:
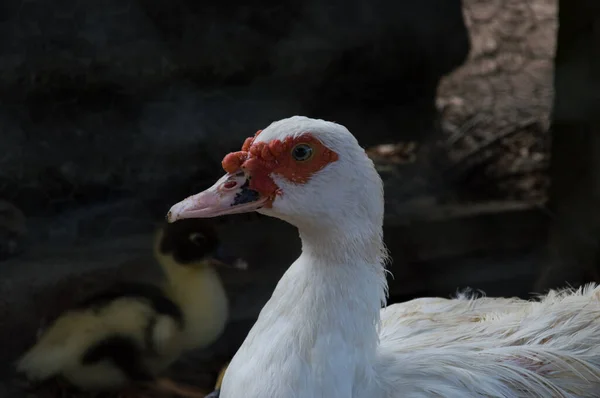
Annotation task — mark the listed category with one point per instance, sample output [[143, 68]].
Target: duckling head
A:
[[194, 243]]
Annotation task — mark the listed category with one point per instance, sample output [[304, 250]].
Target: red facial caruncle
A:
[[296, 159]]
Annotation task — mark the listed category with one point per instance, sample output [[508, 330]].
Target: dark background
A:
[[111, 111]]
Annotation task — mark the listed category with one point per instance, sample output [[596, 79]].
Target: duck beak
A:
[[222, 258], [231, 194], [236, 263]]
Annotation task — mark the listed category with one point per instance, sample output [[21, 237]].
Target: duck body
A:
[[324, 334], [463, 347], [133, 331]]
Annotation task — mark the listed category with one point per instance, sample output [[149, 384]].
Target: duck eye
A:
[[197, 238], [302, 152]]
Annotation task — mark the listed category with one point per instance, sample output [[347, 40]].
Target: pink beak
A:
[[229, 195]]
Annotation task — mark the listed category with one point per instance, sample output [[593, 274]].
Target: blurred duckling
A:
[[13, 230], [132, 332]]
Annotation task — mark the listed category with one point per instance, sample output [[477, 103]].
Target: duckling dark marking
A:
[[152, 294], [189, 240], [246, 195], [123, 353]]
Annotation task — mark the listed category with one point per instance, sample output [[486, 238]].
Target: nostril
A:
[[230, 185]]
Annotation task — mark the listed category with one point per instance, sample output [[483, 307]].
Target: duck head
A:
[[305, 171]]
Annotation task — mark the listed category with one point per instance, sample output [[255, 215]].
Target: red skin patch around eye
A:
[[262, 159]]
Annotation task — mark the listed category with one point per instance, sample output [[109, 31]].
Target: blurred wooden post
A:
[[574, 235]]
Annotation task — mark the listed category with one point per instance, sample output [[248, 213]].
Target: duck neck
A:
[[334, 292], [345, 266], [319, 331]]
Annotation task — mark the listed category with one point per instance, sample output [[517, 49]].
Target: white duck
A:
[[323, 333]]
